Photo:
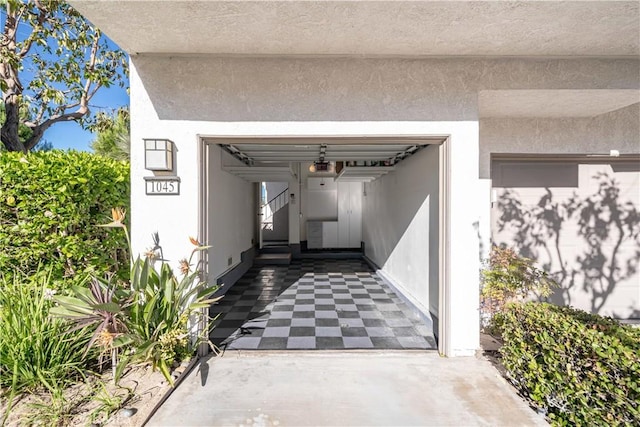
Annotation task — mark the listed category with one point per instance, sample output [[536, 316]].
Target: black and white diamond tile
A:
[[316, 304]]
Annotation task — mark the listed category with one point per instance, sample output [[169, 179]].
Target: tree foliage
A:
[[52, 63], [112, 139]]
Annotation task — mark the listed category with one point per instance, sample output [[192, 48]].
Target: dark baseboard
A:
[[369, 261], [427, 318], [436, 325], [296, 249], [228, 279]]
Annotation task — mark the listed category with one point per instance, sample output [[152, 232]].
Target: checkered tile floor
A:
[[316, 304]]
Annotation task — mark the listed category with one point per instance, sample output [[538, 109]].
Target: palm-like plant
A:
[[100, 307]]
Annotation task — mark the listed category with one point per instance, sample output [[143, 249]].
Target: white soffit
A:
[[377, 28], [553, 103]]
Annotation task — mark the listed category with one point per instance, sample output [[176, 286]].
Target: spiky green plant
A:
[[101, 308], [161, 307], [35, 349], [147, 318]]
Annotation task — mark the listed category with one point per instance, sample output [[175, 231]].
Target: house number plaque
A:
[[162, 185]]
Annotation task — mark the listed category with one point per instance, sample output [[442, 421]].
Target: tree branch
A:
[[93, 92], [40, 114], [11, 27], [82, 104], [42, 17], [92, 63], [38, 130]]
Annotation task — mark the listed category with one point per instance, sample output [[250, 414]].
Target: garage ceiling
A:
[[272, 161], [265, 154]]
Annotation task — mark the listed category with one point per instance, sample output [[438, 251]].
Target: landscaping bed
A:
[[574, 367], [88, 333], [95, 401]]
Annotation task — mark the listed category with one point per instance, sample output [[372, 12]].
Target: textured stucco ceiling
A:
[[411, 28], [553, 103]]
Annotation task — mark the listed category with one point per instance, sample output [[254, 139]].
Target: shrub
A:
[[35, 349], [161, 309], [580, 369], [50, 203], [147, 318], [508, 278]]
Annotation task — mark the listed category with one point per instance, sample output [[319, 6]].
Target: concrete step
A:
[[273, 259], [275, 249]]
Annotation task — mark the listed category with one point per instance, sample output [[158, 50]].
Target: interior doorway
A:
[[274, 214]]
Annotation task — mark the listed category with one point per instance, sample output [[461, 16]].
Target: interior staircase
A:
[[273, 253]]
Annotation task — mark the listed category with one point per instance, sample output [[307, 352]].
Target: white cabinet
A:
[[349, 214], [330, 234], [322, 199], [314, 234], [322, 234]]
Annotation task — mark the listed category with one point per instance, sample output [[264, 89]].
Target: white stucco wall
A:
[[618, 130], [462, 303], [231, 215], [400, 227], [184, 97], [351, 89], [174, 217]]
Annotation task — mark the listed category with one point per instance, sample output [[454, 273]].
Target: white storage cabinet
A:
[[349, 214]]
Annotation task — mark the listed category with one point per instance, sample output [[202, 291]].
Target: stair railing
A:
[[269, 209]]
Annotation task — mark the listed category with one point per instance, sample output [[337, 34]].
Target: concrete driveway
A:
[[354, 388]]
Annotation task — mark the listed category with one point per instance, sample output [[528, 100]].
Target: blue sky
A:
[[70, 135]]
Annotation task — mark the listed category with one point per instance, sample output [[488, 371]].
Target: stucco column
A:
[[464, 202]]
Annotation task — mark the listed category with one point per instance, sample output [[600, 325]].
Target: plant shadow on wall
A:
[[607, 226]]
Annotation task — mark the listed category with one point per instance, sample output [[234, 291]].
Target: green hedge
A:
[[580, 369], [50, 206]]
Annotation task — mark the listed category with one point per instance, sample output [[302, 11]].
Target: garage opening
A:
[[360, 264]]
